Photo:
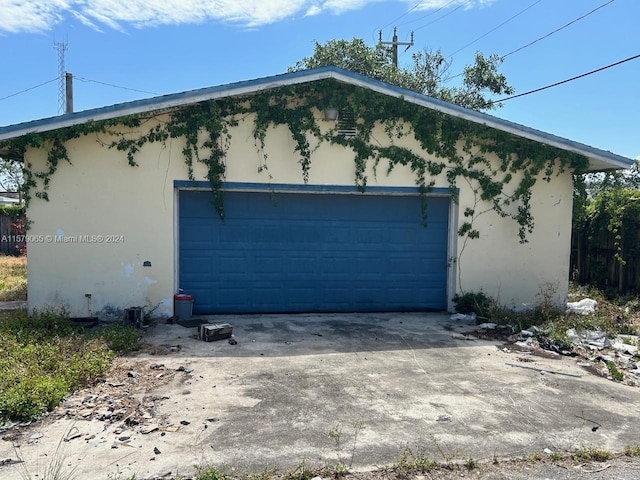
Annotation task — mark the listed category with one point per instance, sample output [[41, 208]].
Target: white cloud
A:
[[30, 15], [43, 15], [466, 4]]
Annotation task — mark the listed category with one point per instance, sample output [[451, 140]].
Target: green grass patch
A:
[[211, 473], [615, 373], [45, 356], [410, 461], [632, 451], [13, 278], [592, 455]]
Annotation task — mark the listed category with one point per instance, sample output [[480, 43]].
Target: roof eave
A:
[[598, 159]]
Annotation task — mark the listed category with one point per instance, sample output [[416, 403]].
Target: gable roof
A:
[[598, 159]]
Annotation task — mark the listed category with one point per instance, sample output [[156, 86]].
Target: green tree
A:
[[11, 176], [613, 179], [428, 73]]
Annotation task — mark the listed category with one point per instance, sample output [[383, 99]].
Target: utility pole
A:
[[61, 47], [69, 92], [395, 43]]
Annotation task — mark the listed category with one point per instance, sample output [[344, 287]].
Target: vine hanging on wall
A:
[[451, 146]]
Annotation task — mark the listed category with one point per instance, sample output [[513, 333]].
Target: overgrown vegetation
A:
[[13, 278], [606, 231], [412, 464], [453, 149], [45, 356], [611, 317], [474, 302]]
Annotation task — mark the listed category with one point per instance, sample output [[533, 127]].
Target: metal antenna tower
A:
[[61, 47]]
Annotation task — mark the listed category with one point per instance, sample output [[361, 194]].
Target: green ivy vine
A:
[[455, 147]]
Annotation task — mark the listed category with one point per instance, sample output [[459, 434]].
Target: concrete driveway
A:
[[355, 388]]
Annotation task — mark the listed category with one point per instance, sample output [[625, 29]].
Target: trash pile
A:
[[616, 358]]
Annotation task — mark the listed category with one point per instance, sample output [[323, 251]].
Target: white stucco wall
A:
[[100, 194]]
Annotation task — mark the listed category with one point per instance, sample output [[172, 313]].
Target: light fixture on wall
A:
[[331, 114]]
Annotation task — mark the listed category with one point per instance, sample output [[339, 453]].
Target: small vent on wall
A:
[[347, 124]]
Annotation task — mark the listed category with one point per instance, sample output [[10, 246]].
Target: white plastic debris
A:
[[626, 343], [471, 317], [488, 326], [585, 306], [529, 332], [594, 339]]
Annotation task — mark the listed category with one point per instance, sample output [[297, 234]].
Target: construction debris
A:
[[212, 332]]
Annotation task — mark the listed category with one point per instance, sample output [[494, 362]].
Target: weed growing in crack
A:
[[56, 469], [303, 471], [415, 462], [210, 473], [632, 451], [592, 455], [343, 464]]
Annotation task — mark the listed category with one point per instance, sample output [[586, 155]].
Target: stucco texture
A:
[[98, 193]]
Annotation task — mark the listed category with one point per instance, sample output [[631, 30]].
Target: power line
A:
[[545, 36], [30, 88], [432, 12], [558, 29], [115, 86], [420, 2], [443, 16], [495, 28], [568, 80]]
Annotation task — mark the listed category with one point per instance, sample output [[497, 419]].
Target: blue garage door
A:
[[299, 252]]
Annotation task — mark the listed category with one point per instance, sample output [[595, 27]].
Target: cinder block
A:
[[211, 332]]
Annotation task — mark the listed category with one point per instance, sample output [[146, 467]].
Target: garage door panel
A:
[[312, 252]]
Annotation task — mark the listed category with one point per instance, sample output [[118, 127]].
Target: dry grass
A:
[[13, 278]]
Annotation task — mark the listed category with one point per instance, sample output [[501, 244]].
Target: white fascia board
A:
[[156, 104], [599, 159], [610, 159]]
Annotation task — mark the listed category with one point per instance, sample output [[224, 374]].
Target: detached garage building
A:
[[112, 236]]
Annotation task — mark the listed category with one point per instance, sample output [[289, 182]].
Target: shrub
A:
[[120, 338], [477, 302], [32, 397]]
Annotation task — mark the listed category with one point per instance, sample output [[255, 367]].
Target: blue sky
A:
[[166, 46]]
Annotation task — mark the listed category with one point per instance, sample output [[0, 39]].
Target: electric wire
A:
[[420, 2], [545, 36], [430, 13], [557, 29], [495, 28], [440, 18], [30, 88], [114, 86], [569, 79]]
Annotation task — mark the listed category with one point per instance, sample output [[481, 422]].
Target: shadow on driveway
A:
[[312, 334]]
